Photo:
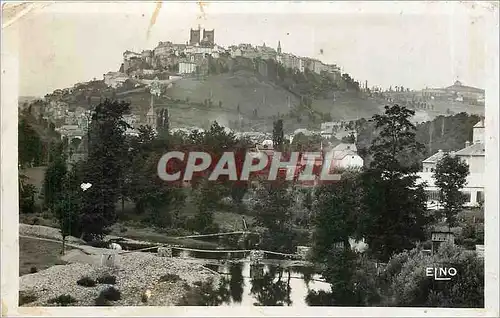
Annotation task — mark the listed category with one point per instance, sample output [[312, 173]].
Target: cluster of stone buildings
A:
[[288, 60], [192, 57], [456, 92]]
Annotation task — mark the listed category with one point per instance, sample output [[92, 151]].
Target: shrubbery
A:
[[170, 278], [62, 300], [26, 298], [86, 282], [107, 279], [107, 295], [409, 285]]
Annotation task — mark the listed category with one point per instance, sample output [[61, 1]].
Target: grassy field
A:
[[243, 89], [39, 254], [348, 106]]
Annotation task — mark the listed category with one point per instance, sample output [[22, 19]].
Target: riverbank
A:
[[168, 279]]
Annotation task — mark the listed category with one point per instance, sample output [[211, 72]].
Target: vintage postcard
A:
[[250, 158]]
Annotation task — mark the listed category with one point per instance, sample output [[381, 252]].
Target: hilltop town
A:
[[243, 87]]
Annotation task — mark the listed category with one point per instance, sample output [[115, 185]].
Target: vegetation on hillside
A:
[[448, 134]]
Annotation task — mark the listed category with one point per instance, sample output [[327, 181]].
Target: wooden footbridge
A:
[[255, 256]]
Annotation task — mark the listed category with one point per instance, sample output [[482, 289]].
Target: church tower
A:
[[151, 115], [279, 57]]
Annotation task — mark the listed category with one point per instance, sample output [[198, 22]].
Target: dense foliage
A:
[[451, 176]]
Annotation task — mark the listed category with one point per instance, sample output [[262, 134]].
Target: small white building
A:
[[344, 156], [429, 164], [187, 67], [267, 144]]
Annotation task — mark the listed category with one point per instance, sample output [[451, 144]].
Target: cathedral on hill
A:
[[197, 38]]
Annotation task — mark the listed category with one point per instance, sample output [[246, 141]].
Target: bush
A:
[[26, 298], [123, 229], [170, 278], [411, 287], [101, 301], [107, 295], [62, 300], [86, 282], [107, 279], [33, 269], [144, 298]]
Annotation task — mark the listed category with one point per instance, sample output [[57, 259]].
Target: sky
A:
[[411, 44]]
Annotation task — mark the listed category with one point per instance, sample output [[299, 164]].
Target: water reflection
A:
[[244, 284], [236, 282], [270, 290]]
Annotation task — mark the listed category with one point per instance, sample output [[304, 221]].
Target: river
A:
[[267, 285], [272, 283]]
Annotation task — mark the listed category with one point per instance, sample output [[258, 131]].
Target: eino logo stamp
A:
[[441, 273]]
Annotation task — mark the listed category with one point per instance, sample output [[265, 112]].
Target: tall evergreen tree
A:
[[53, 186], [105, 166], [275, 200], [278, 137], [395, 204], [337, 209], [29, 144]]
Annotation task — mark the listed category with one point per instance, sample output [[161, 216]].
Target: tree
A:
[[451, 175], [53, 186], [304, 143], [67, 210], [336, 213], [26, 195], [105, 166], [352, 279], [238, 190], [395, 204], [274, 212], [207, 196], [349, 139], [30, 144], [278, 136]]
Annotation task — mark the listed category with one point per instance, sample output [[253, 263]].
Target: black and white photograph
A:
[[241, 155]]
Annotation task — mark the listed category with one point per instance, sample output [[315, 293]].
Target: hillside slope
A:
[[247, 92], [242, 88]]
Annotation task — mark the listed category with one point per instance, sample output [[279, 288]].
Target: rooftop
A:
[[480, 124], [435, 157], [344, 147], [458, 86], [472, 150], [339, 155]]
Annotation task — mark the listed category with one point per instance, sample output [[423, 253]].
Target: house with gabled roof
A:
[[474, 155]]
